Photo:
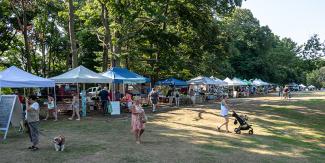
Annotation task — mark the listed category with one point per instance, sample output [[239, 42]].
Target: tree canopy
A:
[[159, 39]]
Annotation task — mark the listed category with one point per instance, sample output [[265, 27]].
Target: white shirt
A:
[[35, 106], [224, 110]]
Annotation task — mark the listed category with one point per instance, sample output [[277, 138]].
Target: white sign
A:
[[10, 111], [116, 110]]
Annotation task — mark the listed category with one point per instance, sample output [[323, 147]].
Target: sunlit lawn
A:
[[284, 131]]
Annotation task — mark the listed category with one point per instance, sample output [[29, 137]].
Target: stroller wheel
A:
[[237, 130], [250, 132]]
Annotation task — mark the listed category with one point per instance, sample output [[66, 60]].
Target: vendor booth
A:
[[261, 87], [236, 87], [10, 108], [202, 86], [80, 75], [168, 87], [122, 76]]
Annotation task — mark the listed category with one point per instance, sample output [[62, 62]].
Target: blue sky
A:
[[297, 19]]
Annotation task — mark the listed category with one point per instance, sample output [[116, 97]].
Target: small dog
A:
[[59, 143]]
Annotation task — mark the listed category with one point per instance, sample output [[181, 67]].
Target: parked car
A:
[[93, 91]]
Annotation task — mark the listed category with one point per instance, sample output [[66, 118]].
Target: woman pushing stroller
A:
[[224, 113]]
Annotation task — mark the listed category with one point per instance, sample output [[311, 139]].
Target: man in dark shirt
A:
[[103, 94]]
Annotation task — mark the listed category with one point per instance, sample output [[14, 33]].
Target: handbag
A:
[[143, 118], [109, 108]]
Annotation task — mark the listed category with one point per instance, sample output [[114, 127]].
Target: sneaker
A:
[[70, 118], [218, 129], [78, 119], [31, 147], [34, 148]]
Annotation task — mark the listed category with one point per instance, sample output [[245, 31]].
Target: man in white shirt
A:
[[32, 108]]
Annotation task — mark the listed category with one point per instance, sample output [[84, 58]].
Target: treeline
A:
[[156, 38]]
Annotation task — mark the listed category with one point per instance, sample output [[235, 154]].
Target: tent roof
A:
[[202, 80], [234, 82], [219, 81], [237, 81], [172, 81], [247, 82], [259, 82], [81, 75], [301, 85], [123, 75], [14, 77]]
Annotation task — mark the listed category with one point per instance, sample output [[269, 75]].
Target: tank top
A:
[[224, 110]]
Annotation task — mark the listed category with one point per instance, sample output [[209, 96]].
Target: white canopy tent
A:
[[302, 86], [81, 75], [238, 82], [311, 87], [234, 82], [14, 77], [201, 80], [259, 82], [219, 81]]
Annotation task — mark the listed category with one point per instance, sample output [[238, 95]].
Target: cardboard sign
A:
[[115, 108], [10, 112]]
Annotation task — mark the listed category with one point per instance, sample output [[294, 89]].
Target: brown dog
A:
[[59, 143]]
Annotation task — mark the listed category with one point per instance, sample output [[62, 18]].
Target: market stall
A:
[[14, 77], [123, 77], [202, 87], [261, 87], [168, 87], [236, 87], [79, 75]]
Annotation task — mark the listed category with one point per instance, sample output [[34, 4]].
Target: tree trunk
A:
[[72, 35], [43, 54], [27, 50], [107, 42]]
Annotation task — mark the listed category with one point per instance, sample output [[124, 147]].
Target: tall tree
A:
[[72, 35]]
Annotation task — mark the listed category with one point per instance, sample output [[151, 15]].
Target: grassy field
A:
[[284, 131]]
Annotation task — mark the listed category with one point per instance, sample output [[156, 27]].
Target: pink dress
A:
[[136, 123]]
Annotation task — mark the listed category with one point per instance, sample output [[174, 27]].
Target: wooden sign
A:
[[10, 112]]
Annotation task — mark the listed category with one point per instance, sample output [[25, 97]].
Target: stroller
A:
[[243, 125]]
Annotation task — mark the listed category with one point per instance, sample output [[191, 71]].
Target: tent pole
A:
[[54, 94], [123, 88]]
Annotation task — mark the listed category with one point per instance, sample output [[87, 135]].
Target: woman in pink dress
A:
[[138, 120]]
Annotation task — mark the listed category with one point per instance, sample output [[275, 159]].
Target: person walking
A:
[[104, 98], [224, 113], [32, 108], [138, 120], [192, 96], [154, 97], [51, 108], [176, 94], [75, 107]]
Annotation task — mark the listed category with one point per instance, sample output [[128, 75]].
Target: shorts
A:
[[225, 116]]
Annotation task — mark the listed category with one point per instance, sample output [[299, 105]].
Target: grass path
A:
[[285, 131]]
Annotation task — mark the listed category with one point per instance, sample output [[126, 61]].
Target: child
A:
[[75, 107], [51, 108]]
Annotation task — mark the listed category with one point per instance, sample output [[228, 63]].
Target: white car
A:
[[93, 91]]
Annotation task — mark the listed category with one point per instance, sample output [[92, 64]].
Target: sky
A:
[[297, 19]]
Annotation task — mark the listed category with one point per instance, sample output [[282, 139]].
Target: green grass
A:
[[284, 132]]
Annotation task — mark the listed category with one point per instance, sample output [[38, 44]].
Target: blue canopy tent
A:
[[124, 76], [172, 81]]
